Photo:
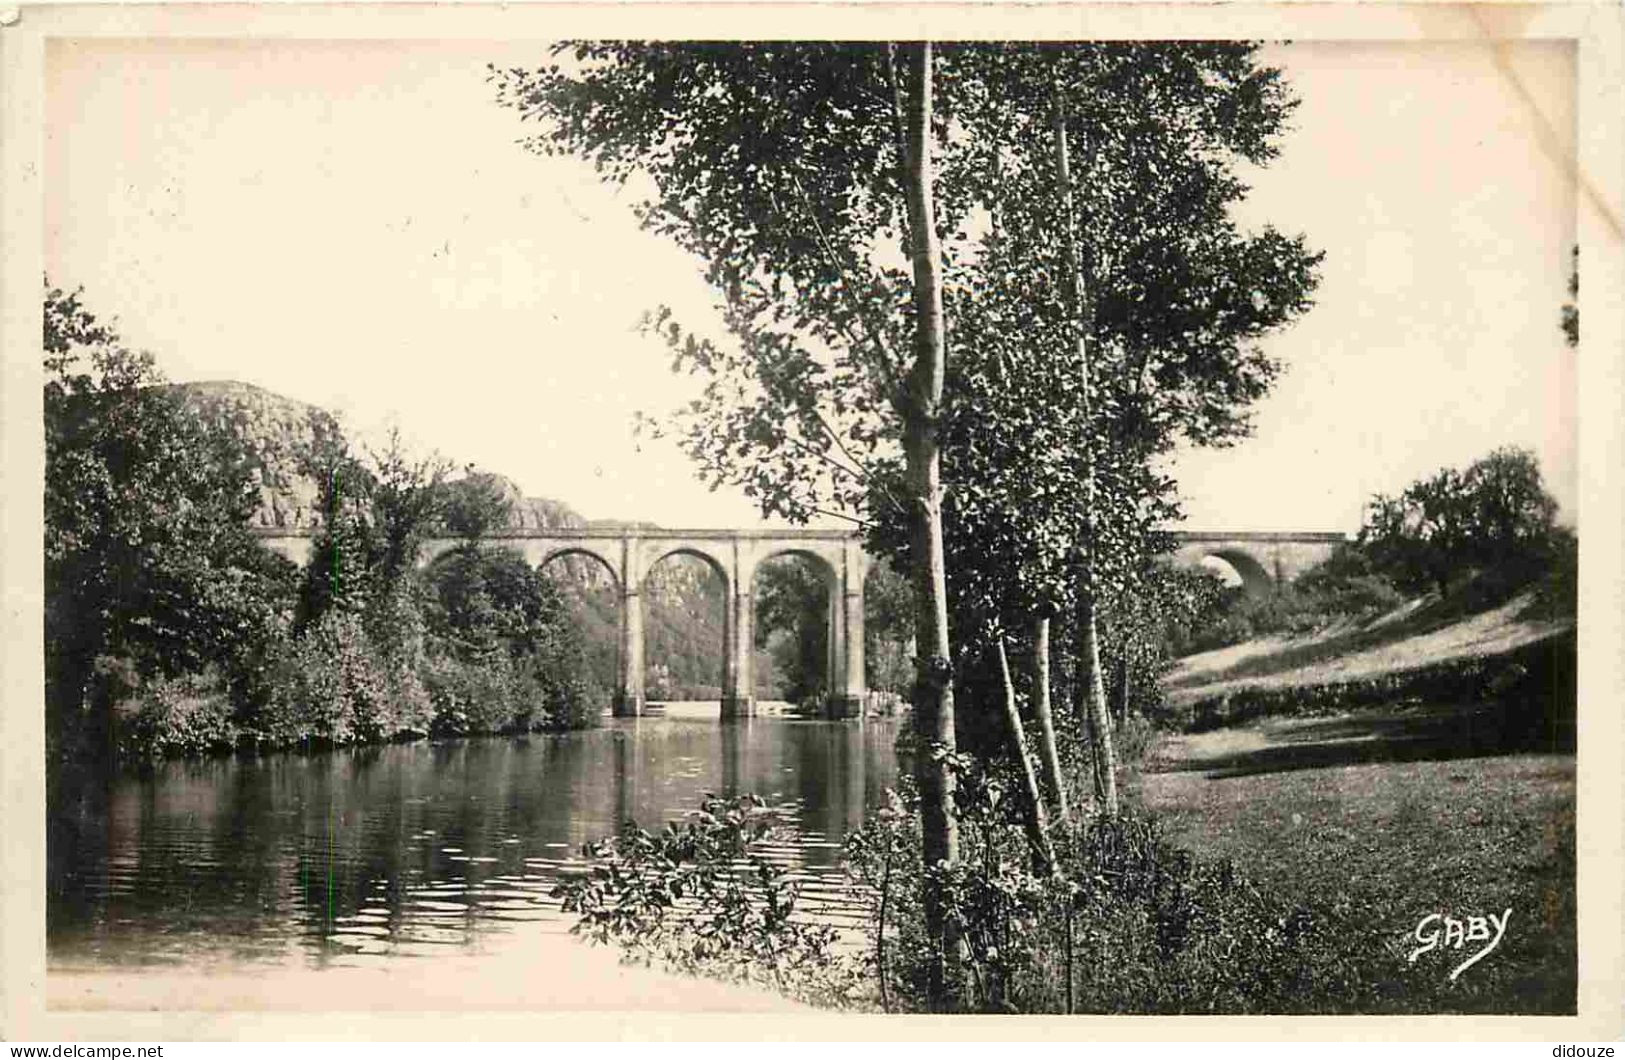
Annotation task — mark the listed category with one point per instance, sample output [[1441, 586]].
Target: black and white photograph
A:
[[889, 513]]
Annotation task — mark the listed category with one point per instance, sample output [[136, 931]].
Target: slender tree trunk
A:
[[1037, 826], [1046, 719], [1095, 715], [1123, 690], [1083, 325], [922, 399]]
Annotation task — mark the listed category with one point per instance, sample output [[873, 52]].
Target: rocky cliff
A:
[[277, 433]]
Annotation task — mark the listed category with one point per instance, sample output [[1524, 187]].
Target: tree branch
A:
[[825, 457], [887, 364], [839, 515]]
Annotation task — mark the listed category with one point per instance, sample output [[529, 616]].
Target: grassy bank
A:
[[1418, 764], [1382, 815]]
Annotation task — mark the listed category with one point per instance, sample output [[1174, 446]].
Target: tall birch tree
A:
[[797, 172]]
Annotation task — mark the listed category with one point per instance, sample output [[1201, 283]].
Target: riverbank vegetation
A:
[[169, 629], [1057, 297]]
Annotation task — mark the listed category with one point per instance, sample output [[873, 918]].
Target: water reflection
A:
[[402, 851]]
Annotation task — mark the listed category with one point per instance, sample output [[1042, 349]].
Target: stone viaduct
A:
[[629, 553]]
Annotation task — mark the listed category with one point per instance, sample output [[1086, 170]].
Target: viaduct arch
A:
[[1262, 559]]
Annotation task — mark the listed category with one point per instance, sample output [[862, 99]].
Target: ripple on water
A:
[[407, 850]]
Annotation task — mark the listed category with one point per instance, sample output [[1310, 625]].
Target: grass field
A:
[[1389, 816]]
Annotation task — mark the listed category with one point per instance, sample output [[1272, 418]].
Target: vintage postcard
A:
[[815, 521]]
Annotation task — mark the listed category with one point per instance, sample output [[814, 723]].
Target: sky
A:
[[353, 224]]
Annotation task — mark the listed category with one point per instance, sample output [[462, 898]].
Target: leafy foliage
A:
[[699, 896], [510, 657], [149, 563], [332, 686], [1493, 518], [181, 716]]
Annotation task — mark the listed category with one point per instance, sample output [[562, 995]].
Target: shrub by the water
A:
[[700, 896], [492, 696], [178, 716], [333, 685], [1127, 922]]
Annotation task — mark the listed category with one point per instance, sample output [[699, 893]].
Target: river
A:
[[374, 855]]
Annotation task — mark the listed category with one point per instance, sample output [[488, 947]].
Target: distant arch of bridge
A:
[[1261, 559]]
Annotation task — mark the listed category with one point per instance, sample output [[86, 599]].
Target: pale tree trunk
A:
[[1095, 713], [1046, 719], [1098, 713], [1033, 817], [922, 400], [1123, 690]]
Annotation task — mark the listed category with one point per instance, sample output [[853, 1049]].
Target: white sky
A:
[[353, 225]]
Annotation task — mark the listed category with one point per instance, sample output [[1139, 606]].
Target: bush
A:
[[178, 716], [332, 685], [700, 897], [472, 698], [570, 698], [506, 657], [1131, 923]]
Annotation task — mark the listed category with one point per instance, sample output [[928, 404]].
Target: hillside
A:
[[274, 431], [1412, 637]]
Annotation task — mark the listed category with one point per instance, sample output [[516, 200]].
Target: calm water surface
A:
[[357, 857]]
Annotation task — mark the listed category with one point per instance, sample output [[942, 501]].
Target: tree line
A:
[[170, 629]]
